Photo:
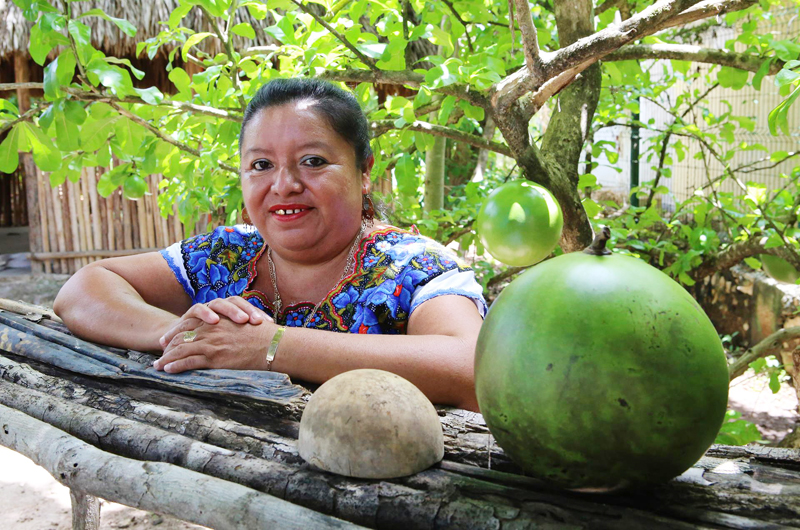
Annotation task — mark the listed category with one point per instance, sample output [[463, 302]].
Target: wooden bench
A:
[[217, 448]]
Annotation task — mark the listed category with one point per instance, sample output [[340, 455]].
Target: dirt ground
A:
[[30, 499]]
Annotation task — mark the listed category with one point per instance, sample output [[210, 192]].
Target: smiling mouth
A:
[[290, 212]]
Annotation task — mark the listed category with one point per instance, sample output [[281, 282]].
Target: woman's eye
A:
[[261, 165], [314, 161]]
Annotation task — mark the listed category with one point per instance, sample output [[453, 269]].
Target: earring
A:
[[367, 208], [246, 217]]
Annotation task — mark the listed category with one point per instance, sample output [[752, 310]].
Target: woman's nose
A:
[[287, 182]]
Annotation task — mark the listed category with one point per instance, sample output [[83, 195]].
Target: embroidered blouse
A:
[[395, 272]]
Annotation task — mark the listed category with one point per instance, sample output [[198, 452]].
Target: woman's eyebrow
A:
[[255, 150]]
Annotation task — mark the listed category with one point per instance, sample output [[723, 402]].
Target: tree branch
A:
[[363, 58], [738, 251], [91, 96], [407, 78], [381, 126], [772, 345], [25, 116], [561, 67], [167, 138], [686, 52], [706, 9], [530, 43], [608, 4]]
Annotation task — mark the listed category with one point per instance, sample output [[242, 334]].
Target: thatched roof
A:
[[146, 15]]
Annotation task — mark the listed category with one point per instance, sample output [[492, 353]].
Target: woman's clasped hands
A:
[[224, 333]]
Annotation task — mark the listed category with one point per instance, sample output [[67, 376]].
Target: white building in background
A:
[[691, 174]]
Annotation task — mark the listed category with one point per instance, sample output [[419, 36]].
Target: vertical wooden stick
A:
[[97, 219], [119, 233], [66, 212], [41, 204], [87, 217], [85, 511], [71, 233], [127, 221], [59, 222]]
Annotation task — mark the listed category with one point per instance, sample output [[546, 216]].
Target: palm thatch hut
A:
[[71, 225]]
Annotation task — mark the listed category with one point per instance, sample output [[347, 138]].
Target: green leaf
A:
[[151, 95], [126, 27], [66, 131], [591, 207], [135, 71], [65, 70], [753, 263], [774, 382], [786, 50], [406, 173], [191, 41], [373, 50], [95, 135], [446, 108], [778, 117], [244, 30], [130, 135], [113, 77], [52, 89], [9, 151], [39, 45], [74, 112], [587, 180], [45, 154], [8, 107], [774, 241], [763, 70], [732, 77], [786, 77], [178, 14], [81, 33], [180, 79]]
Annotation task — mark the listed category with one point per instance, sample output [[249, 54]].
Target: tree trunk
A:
[[571, 123], [434, 176]]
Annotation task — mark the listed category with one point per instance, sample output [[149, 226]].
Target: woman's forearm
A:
[[446, 377], [97, 304]]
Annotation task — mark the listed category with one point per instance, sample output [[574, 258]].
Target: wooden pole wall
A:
[[78, 226]]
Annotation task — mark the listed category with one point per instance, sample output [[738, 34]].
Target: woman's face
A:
[[300, 182]]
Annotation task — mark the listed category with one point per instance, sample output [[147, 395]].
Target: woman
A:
[[232, 299]]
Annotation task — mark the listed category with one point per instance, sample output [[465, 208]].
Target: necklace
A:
[[347, 266]]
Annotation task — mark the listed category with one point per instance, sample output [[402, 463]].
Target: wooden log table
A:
[[217, 448]]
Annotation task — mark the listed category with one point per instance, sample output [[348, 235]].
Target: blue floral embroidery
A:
[[393, 264]]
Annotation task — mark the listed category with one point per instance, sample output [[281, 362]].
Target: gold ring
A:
[[189, 336]]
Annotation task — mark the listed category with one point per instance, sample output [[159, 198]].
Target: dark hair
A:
[[338, 106]]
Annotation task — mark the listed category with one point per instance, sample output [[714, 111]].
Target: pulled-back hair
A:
[[339, 107]]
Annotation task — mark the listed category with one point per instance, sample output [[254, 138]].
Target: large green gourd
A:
[[599, 372]]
